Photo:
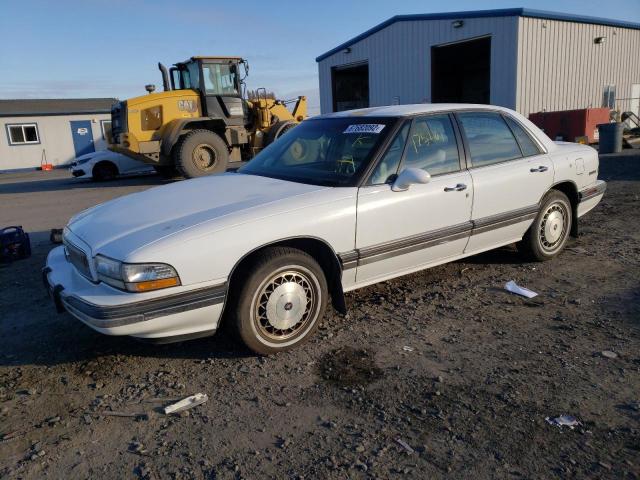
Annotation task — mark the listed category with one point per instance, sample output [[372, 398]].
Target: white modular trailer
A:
[[52, 131], [527, 60]]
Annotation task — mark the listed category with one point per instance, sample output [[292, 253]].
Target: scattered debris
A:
[[578, 250], [109, 413], [513, 287], [608, 354], [138, 448], [405, 445], [407, 348], [563, 421], [161, 400], [5, 437], [186, 403]]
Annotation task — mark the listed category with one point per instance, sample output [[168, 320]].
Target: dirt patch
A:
[[350, 367]]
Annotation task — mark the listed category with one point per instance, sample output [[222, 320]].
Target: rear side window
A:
[[527, 144], [490, 139], [432, 145], [388, 166]]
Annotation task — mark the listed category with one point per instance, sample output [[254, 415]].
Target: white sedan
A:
[[340, 202], [107, 165]]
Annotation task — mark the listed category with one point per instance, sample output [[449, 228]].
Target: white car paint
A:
[[82, 167], [204, 227]]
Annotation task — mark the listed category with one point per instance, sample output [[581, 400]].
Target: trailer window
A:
[[23, 134]]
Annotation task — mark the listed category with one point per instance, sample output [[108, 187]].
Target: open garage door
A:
[[350, 85], [460, 72]]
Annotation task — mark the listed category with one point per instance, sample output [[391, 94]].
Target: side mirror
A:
[[408, 177]]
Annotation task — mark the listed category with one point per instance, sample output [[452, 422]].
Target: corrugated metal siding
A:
[[560, 68], [399, 59]]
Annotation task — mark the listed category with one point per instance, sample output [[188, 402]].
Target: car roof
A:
[[411, 109], [400, 111]]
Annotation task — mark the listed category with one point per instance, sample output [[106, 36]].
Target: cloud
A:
[[67, 89]]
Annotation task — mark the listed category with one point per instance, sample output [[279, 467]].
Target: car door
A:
[[510, 174], [399, 232]]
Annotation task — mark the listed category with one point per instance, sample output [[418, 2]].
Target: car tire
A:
[[279, 300], [201, 152], [104, 171], [549, 232]]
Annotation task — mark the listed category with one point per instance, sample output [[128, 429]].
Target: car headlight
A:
[[136, 277]]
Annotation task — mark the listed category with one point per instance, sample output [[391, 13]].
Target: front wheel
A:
[[281, 300], [104, 171], [550, 230]]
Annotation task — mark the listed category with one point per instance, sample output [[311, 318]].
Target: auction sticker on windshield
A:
[[364, 128]]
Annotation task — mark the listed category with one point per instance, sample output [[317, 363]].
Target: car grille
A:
[[78, 259]]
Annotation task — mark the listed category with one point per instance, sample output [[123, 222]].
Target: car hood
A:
[[124, 225]]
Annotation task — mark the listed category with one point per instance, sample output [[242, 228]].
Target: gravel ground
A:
[[436, 374]]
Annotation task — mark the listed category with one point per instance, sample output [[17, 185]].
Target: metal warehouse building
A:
[[528, 60], [52, 131]]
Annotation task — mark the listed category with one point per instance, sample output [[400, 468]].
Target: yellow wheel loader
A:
[[201, 122]]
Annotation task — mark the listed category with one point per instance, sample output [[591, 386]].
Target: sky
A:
[[102, 48]]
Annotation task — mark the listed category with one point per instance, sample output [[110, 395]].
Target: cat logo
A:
[[187, 105]]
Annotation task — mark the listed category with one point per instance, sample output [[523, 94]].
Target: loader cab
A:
[[219, 82]]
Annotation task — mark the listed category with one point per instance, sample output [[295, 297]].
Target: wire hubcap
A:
[[553, 227], [285, 304]]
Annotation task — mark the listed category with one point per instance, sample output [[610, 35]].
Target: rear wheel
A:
[[550, 230], [201, 152], [103, 171], [281, 300]]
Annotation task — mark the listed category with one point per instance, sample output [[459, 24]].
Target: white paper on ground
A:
[[512, 287], [186, 403]]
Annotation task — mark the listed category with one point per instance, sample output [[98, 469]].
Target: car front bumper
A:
[[161, 316]]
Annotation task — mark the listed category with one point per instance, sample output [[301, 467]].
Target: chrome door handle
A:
[[541, 168], [458, 188]]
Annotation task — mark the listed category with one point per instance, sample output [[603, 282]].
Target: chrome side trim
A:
[[383, 251], [506, 219], [598, 189], [348, 259], [413, 243], [118, 315]]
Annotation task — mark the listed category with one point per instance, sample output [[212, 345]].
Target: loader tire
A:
[[279, 129], [201, 152]]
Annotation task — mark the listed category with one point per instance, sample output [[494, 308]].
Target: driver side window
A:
[[432, 145], [388, 166]]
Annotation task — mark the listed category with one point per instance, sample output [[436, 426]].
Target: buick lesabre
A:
[[340, 202]]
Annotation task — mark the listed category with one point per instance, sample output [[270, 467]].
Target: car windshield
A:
[[325, 151]]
